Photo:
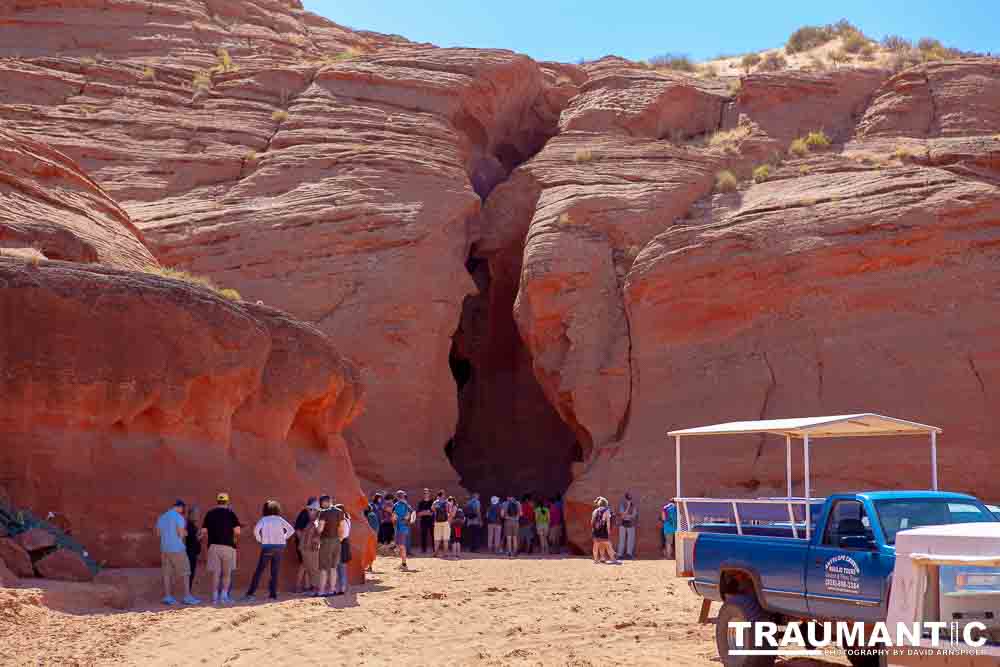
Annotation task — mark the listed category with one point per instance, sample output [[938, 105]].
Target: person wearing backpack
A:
[[457, 527], [473, 523], [494, 527], [442, 524], [600, 524], [402, 517], [511, 515]]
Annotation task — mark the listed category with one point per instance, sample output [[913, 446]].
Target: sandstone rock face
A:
[[36, 539], [160, 375], [526, 263], [7, 578], [50, 209], [15, 558], [64, 565]]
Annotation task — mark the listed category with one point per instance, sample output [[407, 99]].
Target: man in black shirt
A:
[[426, 521], [221, 527]]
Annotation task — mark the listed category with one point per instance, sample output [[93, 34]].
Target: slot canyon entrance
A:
[[509, 439]]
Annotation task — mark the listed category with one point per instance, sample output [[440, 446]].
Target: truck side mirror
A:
[[861, 542]]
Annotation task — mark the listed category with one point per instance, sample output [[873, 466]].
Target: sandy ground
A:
[[475, 611]]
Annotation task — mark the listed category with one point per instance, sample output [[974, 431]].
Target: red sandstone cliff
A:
[[527, 262]]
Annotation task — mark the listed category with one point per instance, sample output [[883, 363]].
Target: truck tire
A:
[[867, 660], [739, 608]]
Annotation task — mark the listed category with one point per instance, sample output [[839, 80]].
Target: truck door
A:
[[845, 577]]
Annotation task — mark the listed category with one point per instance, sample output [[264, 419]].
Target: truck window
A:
[[900, 514], [847, 518]]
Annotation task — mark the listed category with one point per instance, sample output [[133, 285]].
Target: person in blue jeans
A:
[[402, 515], [345, 552], [272, 531]]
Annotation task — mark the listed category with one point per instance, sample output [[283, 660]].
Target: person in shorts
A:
[[600, 522], [303, 519], [329, 521], [221, 529], [442, 524], [542, 527], [309, 544], [511, 514], [402, 514], [171, 528], [494, 527], [458, 527]]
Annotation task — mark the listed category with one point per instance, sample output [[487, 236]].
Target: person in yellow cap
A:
[[221, 527]]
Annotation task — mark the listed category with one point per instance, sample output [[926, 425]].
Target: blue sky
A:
[[568, 30]]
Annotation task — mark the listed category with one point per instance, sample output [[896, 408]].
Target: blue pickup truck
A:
[[766, 570]]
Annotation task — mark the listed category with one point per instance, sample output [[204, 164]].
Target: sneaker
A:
[[191, 600], [215, 598], [169, 600], [249, 598], [225, 599]]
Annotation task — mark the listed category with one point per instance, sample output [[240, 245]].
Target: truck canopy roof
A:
[[913, 495], [833, 426]]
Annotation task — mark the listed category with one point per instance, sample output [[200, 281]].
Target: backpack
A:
[[599, 518], [440, 512], [493, 514], [513, 509], [472, 512], [459, 518]]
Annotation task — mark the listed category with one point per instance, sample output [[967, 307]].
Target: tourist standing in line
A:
[[473, 522], [373, 523], [272, 533], [627, 514], [442, 524], [345, 552], [328, 524], [511, 514], [555, 525], [542, 527], [426, 518], [457, 520], [387, 536], [668, 522], [305, 517], [221, 529], [172, 531], [494, 527], [526, 531], [402, 515], [600, 521], [191, 542], [309, 541]]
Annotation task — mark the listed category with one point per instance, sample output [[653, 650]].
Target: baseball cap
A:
[[222, 497]]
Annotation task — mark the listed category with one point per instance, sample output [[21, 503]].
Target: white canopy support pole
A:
[[788, 465], [805, 465], [677, 459], [934, 479]]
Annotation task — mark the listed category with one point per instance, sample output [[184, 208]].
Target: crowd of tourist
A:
[[321, 536]]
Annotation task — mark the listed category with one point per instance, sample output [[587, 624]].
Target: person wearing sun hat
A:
[[221, 527]]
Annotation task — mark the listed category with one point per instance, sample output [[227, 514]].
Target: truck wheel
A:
[[740, 608], [867, 660]]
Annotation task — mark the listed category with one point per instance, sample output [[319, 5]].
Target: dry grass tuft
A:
[[902, 153], [761, 173], [279, 116], [724, 138], [200, 281], [772, 62], [223, 62], [817, 139], [202, 81], [674, 62], [750, 61], [799, 148], [149, 74], [583, 155], [725, 181], [805, 170]]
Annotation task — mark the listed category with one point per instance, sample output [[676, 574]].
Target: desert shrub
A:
[[839, 57], [750, 61], [808, 37], [583, 155], [816, 140], [88, 60], [673, 61], [895, 43], [725, 137], [762, 173], [708, 71], [190, 278], [799, 148], [279, 116], [773, 62], [868, 52], [816, 64], [725, 181], [251, 156], [929, 44], [854, 41], [842, 27], [223, 62], [904, 59], [149, 74], [201, 81], [735, 86], [902, 153], [805, 170]]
